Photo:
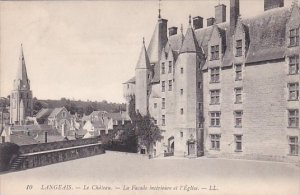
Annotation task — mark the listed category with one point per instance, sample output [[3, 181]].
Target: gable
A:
[[215, 36]]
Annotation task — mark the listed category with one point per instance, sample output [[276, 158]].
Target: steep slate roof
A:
[[20, 139], [132, 80], [55, 112], [175, 42], [267, 35], [33, 128], [143, 61], [44, 113], [116, 116], [190, 42]]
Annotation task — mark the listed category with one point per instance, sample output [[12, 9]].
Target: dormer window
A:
[[170, 67], [163, 69], [294, 64], [239, 48], [294, 37], [214, 52]]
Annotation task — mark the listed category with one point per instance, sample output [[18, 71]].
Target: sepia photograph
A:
[[157, 97]]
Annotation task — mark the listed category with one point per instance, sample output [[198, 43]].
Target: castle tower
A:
[[142, 77], [188, 84], [21, 95]]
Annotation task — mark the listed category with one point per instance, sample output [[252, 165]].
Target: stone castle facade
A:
[[21, 95], [230, 89]]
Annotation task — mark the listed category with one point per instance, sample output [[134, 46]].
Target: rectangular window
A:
[[181, 70], [215, 75], [215, 119], [214, 52], [200, 106], [294, 37], [293, 91], [163, 69], [199, 85], [181, 111], [293, 118], [214, 96], [239, 48], [181, 134], [238, 95], [294, 64], [155, 122], [163, 86], [170, 67], [163, 120], [181, 91], [238, 143], [170, 85], [294, 145], [215, 141], [238, 72], [163, 103], [155, 105], [238, 118]]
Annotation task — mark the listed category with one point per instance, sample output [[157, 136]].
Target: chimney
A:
[[234, 14], [220, 13], [46, 137], [270, 4], [172, 31], [197, 22], [210, 21]]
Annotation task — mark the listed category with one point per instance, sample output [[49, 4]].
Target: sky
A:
[[85, 50]]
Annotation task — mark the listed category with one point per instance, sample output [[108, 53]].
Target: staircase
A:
[[15, 165]]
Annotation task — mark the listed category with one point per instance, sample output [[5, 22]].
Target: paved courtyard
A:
[[121, 173]]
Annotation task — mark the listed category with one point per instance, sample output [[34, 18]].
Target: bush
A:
[[7, 152]]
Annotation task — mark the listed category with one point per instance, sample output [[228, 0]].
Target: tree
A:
[[148, 133]]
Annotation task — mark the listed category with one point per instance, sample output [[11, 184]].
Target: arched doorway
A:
[[171, 144]]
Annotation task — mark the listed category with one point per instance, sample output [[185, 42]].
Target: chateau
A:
[[227, 89]]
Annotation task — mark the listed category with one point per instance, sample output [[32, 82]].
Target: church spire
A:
[[22, 81]]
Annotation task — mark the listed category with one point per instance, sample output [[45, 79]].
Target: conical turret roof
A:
[[190, 43], [143, 61]]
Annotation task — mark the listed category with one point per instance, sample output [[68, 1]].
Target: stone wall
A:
[[60, 155], [56, 145]]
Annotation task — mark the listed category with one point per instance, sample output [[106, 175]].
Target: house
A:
[[58, 118], [227, 89], [94, 128]]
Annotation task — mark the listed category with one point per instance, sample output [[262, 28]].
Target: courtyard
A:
[[122, 173]]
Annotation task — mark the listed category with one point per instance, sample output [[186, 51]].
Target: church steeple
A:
[[22, 81], [21, 95]]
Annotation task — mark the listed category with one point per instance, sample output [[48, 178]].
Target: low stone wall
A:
[[56, 145], [43, 158]]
